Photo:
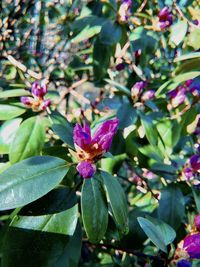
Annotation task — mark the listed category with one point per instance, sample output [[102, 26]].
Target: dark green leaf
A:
[[29, 180], [171, 206], [110, 33], [29, 139], [117, 200], [160, 233], [94, 209], [59, 223]]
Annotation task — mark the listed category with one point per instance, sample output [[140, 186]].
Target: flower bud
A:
[[148, 95], [137, 89], [86, 169]]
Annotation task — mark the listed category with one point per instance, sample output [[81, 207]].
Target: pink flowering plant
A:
[[100, 133]]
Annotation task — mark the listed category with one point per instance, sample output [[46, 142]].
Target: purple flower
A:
[[195, 162], [197, 221], [137, 89], [195, 22], [188, 173], [183, 263], [37, 90], [177, 96], [165, 18], [37, 101], [91, 147], [86, 169], [148, 95], [191, 244], [26, 100]]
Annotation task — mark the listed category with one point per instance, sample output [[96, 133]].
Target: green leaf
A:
[[178, 32], [60, 223], [94, 209], [8, 112], [160, 233], [187, 56], [110, 33], [121, 88], [34, 248], [29, 180], [7, 134], [150, 129], [171, 206], [188, 66], [29, 139], [127, 115], [117, 200], [101, 59], [62, 128], [14, 93]]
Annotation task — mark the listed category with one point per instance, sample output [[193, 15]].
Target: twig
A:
[[37, 76], [142, 6], [130, 251]]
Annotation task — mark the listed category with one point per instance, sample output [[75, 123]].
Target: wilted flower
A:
[[124, 11], [165, 18], [148, 95], [37, 101], [197, 222], [177, 96], [91, 147], [137, 89]]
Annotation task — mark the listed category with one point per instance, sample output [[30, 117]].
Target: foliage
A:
[[128, 73]]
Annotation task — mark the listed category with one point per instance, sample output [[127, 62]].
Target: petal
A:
[[192, 245], [184, 263], [86, 169], [26, 100], [197, 221], [195, 162], [104, 134], [81, 136]]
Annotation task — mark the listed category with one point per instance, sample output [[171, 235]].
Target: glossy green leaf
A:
[[196, 194], [8, 112], [62, 128], [29, 180], [171, 206], [127, 115], [160, 233], [110, 33], [7, 133], [150, 129], [29, 139], [94, 209], [117, 200], [187, 56], [14, 93], [60, 223], [35, 248]]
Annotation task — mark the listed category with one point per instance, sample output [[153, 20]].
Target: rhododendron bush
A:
[[100, 133]]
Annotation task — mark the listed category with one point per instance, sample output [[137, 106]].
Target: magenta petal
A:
[[37, 90], [85, 169], [104, 134], [26, 100], [195, 162], [46, 103], [81, 135], [192, 245]]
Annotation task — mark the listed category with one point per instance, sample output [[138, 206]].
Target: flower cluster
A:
[[192, 167], [189, 247], [90, 147], [124, 11], [137, 92], [165, 18], [37, 102], [178, 95]]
